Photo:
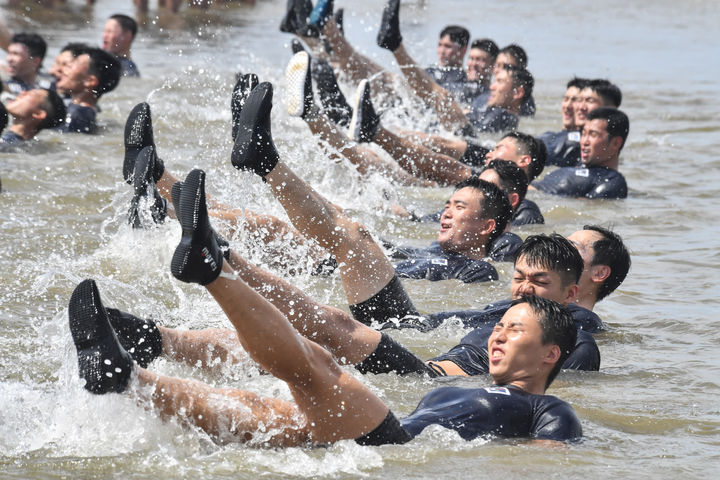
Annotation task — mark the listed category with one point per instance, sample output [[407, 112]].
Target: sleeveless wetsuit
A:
[[129, 69], [491, 119]]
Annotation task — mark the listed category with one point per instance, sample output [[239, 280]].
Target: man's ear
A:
[[599, 273], [488, 226], [553, 355], [514, 200], [518, 93], [616, 143], [91, 83], [524, 161], [571, 294], [39, 115]]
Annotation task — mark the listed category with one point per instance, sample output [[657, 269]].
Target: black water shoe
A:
[[198, 258], [334, 104], [243, 87], [389, 35], [365, 123], [254, 150], [102, 361]]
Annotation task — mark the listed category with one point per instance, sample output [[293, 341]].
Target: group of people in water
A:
[[522, 342]]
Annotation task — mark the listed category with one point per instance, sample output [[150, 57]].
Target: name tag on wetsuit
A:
[[500, 390], [574, 136], [439, 261], [582, 172]]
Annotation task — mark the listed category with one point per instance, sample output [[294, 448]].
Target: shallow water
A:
[[652, 410]]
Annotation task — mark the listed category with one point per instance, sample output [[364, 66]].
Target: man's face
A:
[[20, 64], [27, 103], [115, 39], [587, 101], [462, 221], [535, 280], [505, 149], [567, 107], [502, 60], [501, 90], [449, 53], [584, 241], [75, 74], [479, 65], [61, 61], [515, 348], [596, 147]]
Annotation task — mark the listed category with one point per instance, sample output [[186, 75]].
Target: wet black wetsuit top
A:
[[491, 119], [129, 69], [433, 263], [585, 319], [11, 138], [563, 148], [505, 247], [446, 75], [593, 182], [79, 119], [503, 411], [527, 213], [471, 354]]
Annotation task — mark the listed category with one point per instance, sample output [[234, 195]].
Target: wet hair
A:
[[54, 107], [608, 91], [75, 48], [529, 145], [557, 326], [493, 204], [517, 52], [486, 45], [554, 253], [512, 178], [34, 43], [458, 35], [105, 67], [610, 251], [578, 83], [618, 124], [128, 24], [521, 78]]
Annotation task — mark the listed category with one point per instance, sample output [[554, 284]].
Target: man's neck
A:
[[28, 79], [85, 99], [22, 130], [587, 300]]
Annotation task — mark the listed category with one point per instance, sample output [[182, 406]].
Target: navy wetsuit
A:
[[563, 148], [527, 109], [433, 263], [79, 119], [505, 247], [471, 354], [446, 75], [503, 411], [129, 69], [593, 182], [11, 138], [527, 213], [491, 119], [585, 319]]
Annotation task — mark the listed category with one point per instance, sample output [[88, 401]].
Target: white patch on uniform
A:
[[499, 390], [582, 172], [574, 136], [439, 261]]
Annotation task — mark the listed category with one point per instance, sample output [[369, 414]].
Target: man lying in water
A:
[[527, 350], [546, 266], [32, 111]]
